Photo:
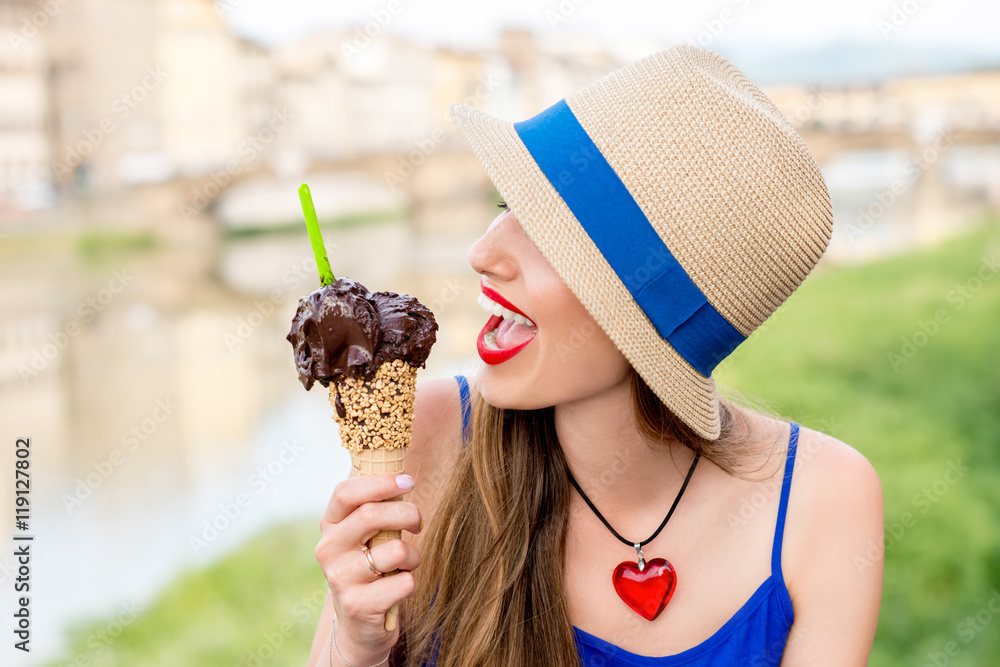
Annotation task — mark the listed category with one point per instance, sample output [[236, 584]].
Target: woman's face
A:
[[569, 357]]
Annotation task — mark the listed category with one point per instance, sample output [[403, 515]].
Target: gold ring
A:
[[371, 563]]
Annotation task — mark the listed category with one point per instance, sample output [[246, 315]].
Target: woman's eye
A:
[[502, 205]]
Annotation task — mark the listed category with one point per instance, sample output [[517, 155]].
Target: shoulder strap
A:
[[463, 392], [786, 484]]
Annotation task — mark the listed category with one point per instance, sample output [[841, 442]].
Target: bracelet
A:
[[333, 647]]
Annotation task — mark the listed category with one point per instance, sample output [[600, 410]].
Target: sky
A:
[[633, 25]]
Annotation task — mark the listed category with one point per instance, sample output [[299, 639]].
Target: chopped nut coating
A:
[[378, 413]]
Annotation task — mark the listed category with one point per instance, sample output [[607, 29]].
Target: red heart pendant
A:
[[649, 591]]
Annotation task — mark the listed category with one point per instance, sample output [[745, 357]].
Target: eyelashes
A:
[[502, 205]]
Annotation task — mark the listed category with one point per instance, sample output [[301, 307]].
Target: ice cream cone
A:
[[375, 420], [375, 462]]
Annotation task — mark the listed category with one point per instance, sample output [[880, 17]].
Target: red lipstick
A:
[[486, 353], [493, 294]]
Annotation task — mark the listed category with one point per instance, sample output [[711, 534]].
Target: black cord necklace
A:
[[646, 587]]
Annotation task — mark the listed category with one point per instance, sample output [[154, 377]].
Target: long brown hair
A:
[[490, 586]]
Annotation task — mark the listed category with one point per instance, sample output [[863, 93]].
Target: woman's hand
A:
[[354, 515]]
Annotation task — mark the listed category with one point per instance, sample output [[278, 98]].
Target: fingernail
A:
[[405, 482]]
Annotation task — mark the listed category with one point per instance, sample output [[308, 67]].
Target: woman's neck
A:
[[619, 471]]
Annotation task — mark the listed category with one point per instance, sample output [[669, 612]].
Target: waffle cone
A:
[[375, 419], [376, 462]]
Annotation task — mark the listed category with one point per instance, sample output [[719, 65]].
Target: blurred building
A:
[[25, 108], [102, 98], [374, 100], [918, 105], [143, 92]]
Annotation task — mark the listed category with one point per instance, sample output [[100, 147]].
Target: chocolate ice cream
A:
[[343, 330]]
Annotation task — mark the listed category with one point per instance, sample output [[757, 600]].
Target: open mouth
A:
[[506, 333]]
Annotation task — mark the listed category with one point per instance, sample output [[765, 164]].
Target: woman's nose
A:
[[491, 254]]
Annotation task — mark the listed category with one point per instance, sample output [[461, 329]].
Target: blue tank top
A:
[[755, 635]]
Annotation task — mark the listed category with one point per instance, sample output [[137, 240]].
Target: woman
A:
[[609, 507]]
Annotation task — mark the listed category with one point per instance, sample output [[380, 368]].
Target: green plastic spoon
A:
[[315, 238]]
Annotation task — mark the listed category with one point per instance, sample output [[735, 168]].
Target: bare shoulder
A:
[[436, 438], [833, 558], [437, 422], [825, 468], [832, 478]]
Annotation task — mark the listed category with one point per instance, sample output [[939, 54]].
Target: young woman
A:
[[589, 498]]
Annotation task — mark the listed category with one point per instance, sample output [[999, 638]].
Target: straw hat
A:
[[675, 201]]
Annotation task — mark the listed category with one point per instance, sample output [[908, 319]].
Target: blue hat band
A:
[[602, 204]]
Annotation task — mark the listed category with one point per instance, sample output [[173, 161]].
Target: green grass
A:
[[823, 360], [260, 605], [341, 222], [98, 244]]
